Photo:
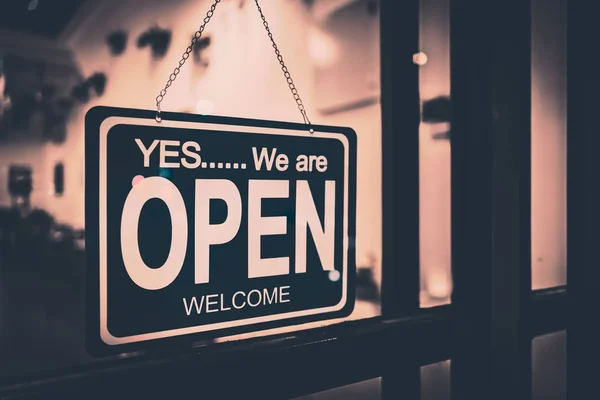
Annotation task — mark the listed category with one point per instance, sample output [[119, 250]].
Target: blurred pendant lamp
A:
[[4, 99]]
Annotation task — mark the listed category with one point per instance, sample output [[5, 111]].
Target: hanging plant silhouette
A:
[[97, 82], [117, 41], [158, 39], [201, 45], [58, 111], [57, 115], [435, 111]]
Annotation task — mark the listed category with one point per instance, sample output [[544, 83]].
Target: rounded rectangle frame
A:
[[98, 121]]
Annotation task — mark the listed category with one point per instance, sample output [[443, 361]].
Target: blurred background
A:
[[101, 52]]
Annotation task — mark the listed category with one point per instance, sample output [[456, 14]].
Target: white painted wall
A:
[[434, 158], [549, 145]]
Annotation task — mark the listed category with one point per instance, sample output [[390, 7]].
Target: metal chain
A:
[[286, 73], [184, 58], [195, 39]]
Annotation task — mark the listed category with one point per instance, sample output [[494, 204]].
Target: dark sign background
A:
[[143, 311], [133, 310]]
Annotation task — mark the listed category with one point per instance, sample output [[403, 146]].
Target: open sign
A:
[[211, 225]]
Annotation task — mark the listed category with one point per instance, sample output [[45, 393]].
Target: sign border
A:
[[98, 122]]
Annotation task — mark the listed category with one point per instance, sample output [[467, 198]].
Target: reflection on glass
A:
[[435, 385], [121, 54], [366, 390], [549, 367], [435, 381]]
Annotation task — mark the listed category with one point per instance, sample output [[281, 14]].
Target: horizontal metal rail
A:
[[281, 366]]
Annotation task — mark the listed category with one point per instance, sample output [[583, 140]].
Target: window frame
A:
[[405, 337], [582, 199]]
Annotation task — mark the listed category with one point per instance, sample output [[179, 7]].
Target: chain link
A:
[[286, 73], [195, 39], [184, 58]]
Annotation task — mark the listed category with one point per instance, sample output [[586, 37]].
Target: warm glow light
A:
[[204, 107], [334, 275], [438, 284], [322, 48], [137, 179], [4, 99], [420, 59]]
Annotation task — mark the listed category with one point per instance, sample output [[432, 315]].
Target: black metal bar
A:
[[549, 311], [400, 118], [491, 96], [471, 192], [583, 214], [403, 382], [286, 370], [511, 270], [400, 107], [302, 363]]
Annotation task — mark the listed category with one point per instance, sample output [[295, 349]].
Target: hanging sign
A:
[[209, 226]]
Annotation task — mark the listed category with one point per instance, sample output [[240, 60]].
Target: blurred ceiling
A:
[[323, 9], [45, 18]]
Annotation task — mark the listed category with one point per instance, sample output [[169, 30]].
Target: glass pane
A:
[[548, 158], [435, 381], [434, 152], [549, 369], [366, 390], [548, 144], [121, 54], [435, 385]]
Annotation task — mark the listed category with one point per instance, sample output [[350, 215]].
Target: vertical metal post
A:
[[400, 110], [583, 200], [400, 121], [491, 245]]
